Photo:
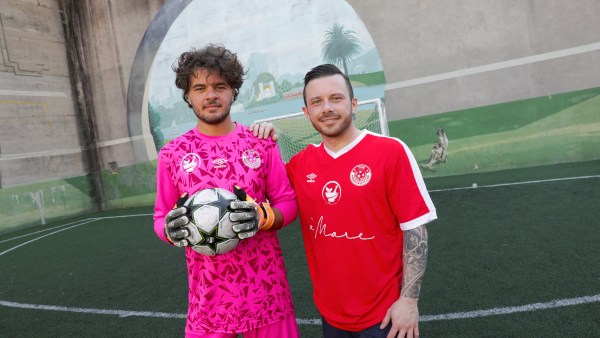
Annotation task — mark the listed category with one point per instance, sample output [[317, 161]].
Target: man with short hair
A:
[[363, 208]]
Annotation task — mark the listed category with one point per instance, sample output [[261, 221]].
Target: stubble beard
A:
[[214, 118], [336, 130]]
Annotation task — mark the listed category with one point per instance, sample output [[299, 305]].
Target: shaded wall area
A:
[[65, 147]]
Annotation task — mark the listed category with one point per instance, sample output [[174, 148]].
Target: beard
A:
[[337, 129], [213, 118]]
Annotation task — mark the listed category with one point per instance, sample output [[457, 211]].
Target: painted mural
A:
[[541, 131], [277, 42]]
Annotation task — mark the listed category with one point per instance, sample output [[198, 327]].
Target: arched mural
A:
[[284, 42]]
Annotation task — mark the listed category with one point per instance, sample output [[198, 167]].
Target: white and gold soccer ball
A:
[[208, 210]]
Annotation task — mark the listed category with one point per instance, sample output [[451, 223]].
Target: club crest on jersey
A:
[[189, 162], [219, 163], [251, 159], [360, 175], [332, 192]]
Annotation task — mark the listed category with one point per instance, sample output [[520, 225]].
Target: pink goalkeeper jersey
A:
[[353, 206], [246, 288]]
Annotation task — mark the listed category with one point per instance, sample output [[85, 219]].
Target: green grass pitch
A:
[[493, 247]]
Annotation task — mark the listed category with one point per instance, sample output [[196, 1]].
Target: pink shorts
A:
[[286, 328]]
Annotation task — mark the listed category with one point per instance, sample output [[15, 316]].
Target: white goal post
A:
[[296, 132]]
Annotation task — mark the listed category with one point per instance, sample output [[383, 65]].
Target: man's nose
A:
[[211, 93]]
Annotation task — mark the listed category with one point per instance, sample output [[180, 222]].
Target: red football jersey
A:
[[353, 207]]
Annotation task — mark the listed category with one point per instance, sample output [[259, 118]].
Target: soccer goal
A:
[[296, 132]]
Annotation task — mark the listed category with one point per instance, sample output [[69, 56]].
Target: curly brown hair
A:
[[214, 58]]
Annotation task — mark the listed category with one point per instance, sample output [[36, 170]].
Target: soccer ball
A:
[[208, 210]]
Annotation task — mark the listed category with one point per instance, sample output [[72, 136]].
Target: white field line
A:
[[517, 183], [425, 318], [44, 230], [120, 313], [592, 47], [50, 234], [64, 225], [301, 321], [514, 309]]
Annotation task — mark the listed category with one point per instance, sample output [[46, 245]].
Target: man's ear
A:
[[305, 111]]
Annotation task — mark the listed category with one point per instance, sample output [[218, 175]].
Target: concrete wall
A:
[[110, 34], [64, 73], [430, 51], [42, 136], [38, 125]]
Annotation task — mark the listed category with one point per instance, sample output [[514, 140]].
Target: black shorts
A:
[[370, 332]]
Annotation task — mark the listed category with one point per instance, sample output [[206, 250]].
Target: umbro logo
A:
[[219, 163], [311, 178]]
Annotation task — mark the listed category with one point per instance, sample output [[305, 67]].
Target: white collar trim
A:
[[347, 148]]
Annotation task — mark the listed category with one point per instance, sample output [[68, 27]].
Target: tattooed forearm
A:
[[415, 261]]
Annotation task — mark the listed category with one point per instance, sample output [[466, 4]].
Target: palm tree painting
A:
[[340, 46]]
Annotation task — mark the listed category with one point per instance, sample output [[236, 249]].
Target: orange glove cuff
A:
[[268, 218]]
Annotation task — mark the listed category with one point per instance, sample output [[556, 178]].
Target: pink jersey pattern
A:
[[246, 288], [353, 207]]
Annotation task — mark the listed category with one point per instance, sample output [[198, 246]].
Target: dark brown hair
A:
[[323, 71], [214, 58]]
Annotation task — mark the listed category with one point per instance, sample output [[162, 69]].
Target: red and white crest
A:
[[332, 192], [251, 159], [360, 175]]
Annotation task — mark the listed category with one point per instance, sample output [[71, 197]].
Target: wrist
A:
[[268, 216], [167, 237], [408, 300]]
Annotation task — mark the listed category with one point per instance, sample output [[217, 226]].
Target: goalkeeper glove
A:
[[178, 229], [253, 216]]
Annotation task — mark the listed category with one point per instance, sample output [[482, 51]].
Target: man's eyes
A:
[[218, 88], [333, 99]]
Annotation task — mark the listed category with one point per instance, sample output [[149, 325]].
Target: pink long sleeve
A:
[[166, 196], [250, 279]]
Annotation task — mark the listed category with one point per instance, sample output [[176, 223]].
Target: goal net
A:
[[296, 132]]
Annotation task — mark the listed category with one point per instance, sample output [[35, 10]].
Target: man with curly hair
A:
[[244, 291]]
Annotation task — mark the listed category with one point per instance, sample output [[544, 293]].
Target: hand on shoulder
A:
[[264, 130]]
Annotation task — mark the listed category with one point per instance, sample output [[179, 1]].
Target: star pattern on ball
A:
[[211, 239]]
